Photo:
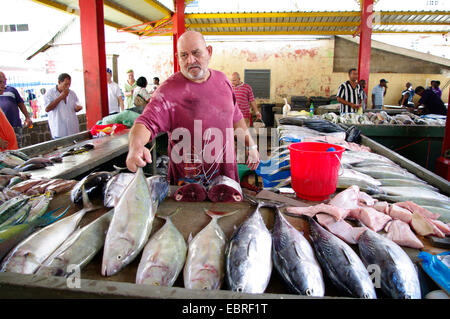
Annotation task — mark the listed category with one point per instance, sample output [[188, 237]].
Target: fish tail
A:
[[217, 215], [170, 215], [48, 217], [260, 203]]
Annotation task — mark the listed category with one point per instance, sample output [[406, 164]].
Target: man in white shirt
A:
[[61, 104], [114, 95], [378, 94]]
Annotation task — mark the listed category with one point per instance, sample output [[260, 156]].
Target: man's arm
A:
[[373, 100], [255, 109], [121, 103], [56, 101], [352, 105], [24, 111], [253, 154], [138, 154]]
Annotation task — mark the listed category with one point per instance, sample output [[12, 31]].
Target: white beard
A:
[[199, 76]]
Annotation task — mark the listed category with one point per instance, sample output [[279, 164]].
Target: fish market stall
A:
[[198, 241]]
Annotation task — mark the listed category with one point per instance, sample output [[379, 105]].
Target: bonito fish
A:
[[132, 222], [163, 257], [399, 278], [340, 263], [78, 249], [248, 256], [294, 259], [205, 267]]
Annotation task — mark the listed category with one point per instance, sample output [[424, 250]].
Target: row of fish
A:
[[380, 118]]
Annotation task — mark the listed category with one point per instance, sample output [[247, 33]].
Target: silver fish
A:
[[399, 278], [163, 256], [294, 259], [401, 182], [418, 200], [340, 263], [115, 187], [418, 192], [78, 249], [384, 172], [248, 256], [132, 222], [205, 261], [28, 255], [351, 177]]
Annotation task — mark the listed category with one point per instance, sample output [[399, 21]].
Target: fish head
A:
[[22, 263], [117, 255]]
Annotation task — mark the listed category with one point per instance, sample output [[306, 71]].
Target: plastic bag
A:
[[106, 130], [126, 117], [436, 269]]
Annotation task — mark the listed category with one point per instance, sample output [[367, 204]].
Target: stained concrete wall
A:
[[381, 61]]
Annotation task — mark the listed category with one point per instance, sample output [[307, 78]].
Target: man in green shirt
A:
[[130, 85]]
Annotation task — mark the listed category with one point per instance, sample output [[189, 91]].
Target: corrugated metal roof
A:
[[133, 16]]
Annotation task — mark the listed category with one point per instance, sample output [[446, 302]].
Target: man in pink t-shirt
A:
[[244, 98], [198, 110]]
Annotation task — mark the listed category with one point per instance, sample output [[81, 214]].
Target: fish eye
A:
[[119, 257], [240, 289]]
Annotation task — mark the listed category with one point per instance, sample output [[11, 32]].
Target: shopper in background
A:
[[378, 94], [130, 85], [436, 89], [61, 104], [407, 96], [349, 93], [362, 84], [155, 84], [115, 101], [8, 139], [432, 104], [140, 96], [244, 98], [10, 103]]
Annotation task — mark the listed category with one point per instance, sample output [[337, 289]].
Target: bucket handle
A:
[[341, 169]]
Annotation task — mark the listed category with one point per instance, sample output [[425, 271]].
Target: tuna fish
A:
[[294, 259], [115, 187], [224, 189], [131, 224], [205, 267], [399, 278], [248, 256], [163, 257], [94, 185], [192, 192], [78, 249], [340, 263]]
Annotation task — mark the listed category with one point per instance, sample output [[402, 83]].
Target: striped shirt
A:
[[244, 95], [350, 94]]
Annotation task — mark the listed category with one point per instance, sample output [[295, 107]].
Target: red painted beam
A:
[[94, 60], [442, 164], [365, 42], [178, 29]]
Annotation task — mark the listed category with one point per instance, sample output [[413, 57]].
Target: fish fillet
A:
[[400, 233]]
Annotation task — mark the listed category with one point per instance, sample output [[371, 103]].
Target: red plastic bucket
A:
[[314, 171]]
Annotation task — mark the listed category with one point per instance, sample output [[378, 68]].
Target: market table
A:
[[190, 220]]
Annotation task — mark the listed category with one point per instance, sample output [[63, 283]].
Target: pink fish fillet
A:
[[347, 199], [340, 228], [382, 207], [445, 228], [337, 212], [371, 218], [397, 212], [414, 208], [366, 199], [400, 232], [424, 227]]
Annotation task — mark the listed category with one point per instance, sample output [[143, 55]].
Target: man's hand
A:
[[253, 159], [78, 108], [138, 158], [259, 116], [3, 144], [64, 93], [28, 122]]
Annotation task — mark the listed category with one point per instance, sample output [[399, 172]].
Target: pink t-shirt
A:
[[244, 95], [174, 107]]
